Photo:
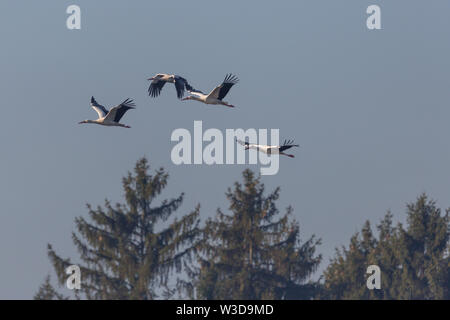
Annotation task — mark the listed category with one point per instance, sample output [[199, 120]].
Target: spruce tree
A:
[[47, 292], [385, 256], [345, 276], [251, 252], [423, 256], [129, 250], [414, 261]]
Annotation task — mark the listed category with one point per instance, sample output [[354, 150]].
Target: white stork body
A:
[[270, 149], [160, 79], [216, 95], [112, 117]]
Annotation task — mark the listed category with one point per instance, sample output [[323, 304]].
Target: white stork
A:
[[216, 95], [160, 79], [111, 117], [287, 144]]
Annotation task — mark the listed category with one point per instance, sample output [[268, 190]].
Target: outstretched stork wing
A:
[[244, 143], [221, 90], [101, 110], [155, 88], [116, 113], [180, 85], [287, 144], [192, 90]]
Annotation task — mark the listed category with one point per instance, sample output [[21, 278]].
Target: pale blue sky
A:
[[369, 109]]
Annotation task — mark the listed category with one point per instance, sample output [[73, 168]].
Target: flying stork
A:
[[216, 95], [287, 144], [111, 117], [160, 79]]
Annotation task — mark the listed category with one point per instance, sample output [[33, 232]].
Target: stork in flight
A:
[[111, 117], [217, 94], [160, 79], [287, 144]]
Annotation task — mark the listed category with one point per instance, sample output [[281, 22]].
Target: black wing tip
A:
[[181, 85], [155, 89], [152, 93], [231, 78], [129, 103], [245, 142], [290, 142]]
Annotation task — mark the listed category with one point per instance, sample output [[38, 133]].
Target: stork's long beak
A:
[[186, 98], [81, 122], [152, 78]]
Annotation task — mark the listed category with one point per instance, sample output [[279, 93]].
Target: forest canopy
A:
[[145, 248]]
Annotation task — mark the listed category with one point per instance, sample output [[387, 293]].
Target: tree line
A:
[[251, 250]]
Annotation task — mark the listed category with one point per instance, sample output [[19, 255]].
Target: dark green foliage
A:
[[252, 253], [136, 250], [423, 252], [345, 277], [129, 250], [47, 292], [414, 262]]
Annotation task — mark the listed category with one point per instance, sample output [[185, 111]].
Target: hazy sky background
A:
[[369, 109]]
